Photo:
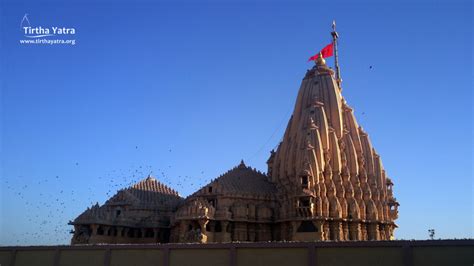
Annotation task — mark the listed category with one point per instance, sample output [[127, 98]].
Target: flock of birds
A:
[[40, 208]]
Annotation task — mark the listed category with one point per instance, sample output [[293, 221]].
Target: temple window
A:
[[100, 231], [210, 189], [218, 227], [212, 202], [117, 213], [304, 202], [112, 231], [307, 226], [149, 233], [304, 182]]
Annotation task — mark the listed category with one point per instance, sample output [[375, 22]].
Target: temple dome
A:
[[241, 179], [148, 195]]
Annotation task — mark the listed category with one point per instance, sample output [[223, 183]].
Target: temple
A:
[[138, 214], [325, 181], [330, 181]]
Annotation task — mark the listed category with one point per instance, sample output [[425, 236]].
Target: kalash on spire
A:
[[325, 181], [329, 176]]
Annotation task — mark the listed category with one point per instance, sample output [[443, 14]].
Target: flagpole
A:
[[335, 36]]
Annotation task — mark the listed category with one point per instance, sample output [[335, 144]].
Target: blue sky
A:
[[186, 90]]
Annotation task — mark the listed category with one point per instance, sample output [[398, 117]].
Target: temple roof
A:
[[152, 184], [239, 180], [147, 194]]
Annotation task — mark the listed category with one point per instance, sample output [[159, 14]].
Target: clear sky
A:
[[185, 90]]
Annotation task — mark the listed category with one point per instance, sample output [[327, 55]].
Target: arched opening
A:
[[218, 227], [307, 226], [304, 182], [112, 231], [193, 225], [100, 231], [304, 202], [149, 233], [130, 233], [212, 202]]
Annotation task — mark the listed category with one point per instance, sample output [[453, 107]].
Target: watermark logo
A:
[[46, 35]]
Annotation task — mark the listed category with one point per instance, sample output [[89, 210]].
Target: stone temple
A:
[[325, 181]]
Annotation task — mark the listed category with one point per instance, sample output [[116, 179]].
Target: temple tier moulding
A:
[[325, 181]]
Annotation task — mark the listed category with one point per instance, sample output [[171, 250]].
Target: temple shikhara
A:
[[325, 181]]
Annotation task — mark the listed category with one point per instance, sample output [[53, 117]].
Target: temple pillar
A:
[[382, 232], [363, 228], [373, 231], [226, 236], [94, 229], [125, 232], [183, 227], [240, 231], [294, 228], [119, 231], [355, 232], [335, 230], [283, 230], [319, 208], [319, 230], [107, 230], [326, 231], [345, 231], [262, 232], [251, 232], [388, 235]]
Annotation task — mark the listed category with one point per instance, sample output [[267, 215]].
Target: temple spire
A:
[[335, 36]]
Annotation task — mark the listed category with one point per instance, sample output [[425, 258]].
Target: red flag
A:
[[326, 52]]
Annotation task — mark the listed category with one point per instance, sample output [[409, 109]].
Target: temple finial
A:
[[335, 37], [320, 61]]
